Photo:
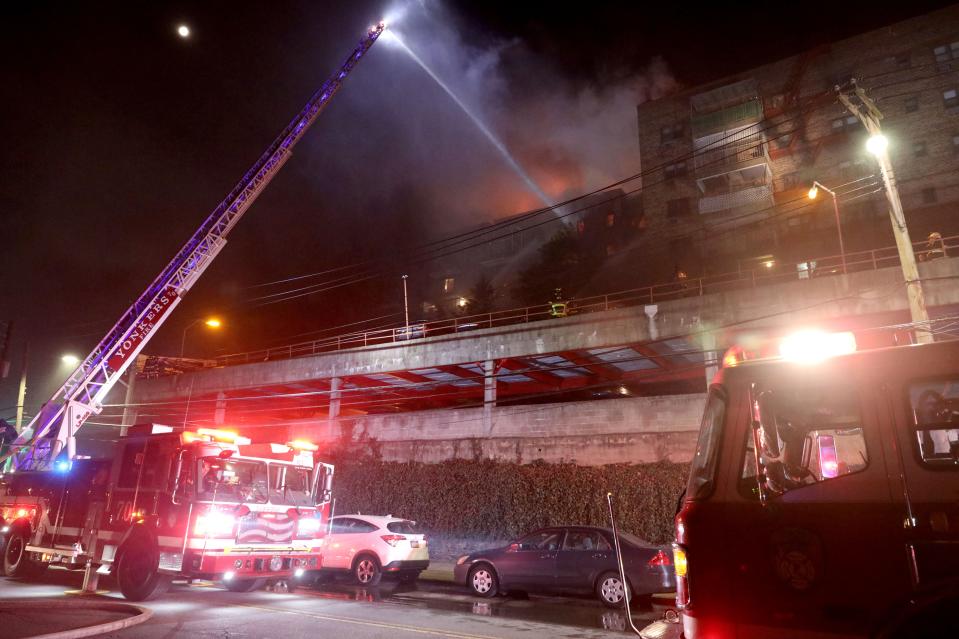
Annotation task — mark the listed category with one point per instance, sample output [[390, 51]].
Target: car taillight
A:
[[393, 539], [660, 559], [682, 568], [215, 524]]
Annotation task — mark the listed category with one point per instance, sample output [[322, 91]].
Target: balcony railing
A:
[[756, 196], [761, 275]]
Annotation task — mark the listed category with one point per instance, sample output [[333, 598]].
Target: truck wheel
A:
[[367, 571], [16, 563], [137, 572], [244, 585]]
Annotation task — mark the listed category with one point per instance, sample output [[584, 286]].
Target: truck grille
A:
[[263, 528]]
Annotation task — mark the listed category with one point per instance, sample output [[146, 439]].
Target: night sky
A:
[[120, 137]]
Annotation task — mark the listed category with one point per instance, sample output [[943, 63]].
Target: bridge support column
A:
[[489, 394], [335, 385]]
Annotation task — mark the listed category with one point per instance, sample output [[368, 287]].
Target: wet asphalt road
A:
[[435, 609]]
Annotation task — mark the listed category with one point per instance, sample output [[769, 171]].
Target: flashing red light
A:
[[660, 559], [393, 539]]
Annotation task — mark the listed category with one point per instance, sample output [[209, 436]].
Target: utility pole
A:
[[862, 106]]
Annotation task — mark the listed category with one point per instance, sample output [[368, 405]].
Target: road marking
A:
[[365, 622]]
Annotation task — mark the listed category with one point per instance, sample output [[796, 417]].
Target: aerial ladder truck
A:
[[170, 503]]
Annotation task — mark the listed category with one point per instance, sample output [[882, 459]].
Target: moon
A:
[[183, 31]]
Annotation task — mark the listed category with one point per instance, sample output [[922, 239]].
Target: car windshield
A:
[[227, 480], [290, 486]]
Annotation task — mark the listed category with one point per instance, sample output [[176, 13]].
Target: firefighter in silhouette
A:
[[558, 306], [934, 248]]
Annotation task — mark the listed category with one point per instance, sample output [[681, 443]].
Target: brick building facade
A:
[[729, 163]]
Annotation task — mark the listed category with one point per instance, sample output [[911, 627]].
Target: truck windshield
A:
[[290, 486], [227, 480], [703, 467]]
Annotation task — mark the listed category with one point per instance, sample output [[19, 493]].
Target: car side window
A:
[[546, 540], [585, 540], [342, 526]]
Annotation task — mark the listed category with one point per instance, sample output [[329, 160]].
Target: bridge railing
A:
[[764, 274]]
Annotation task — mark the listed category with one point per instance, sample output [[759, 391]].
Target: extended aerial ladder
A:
[[53, 430]]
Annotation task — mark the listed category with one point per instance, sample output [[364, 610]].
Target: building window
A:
[[852, 170], [911, 104], [678, 208], [448, 284], [919, 150], [674, 170], [947, 52], [929, 195], [790, 180], [610, 219], [950, 98], [671, 133], [844, 123]]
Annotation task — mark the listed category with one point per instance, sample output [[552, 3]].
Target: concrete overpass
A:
[[583, 388]]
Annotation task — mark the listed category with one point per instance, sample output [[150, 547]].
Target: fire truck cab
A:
[[823, 497], [202, 504]]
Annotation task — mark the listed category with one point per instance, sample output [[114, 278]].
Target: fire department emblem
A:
[[797, 557]]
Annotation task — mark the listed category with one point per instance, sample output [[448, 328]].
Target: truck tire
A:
[[244, 585], [16, 563], [137, 571]]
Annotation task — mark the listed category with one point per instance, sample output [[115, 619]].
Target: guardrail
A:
[[763, 274]]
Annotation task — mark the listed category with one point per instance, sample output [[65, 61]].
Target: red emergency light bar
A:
[[803, 347]]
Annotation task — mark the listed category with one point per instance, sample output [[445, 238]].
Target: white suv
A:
[[369, 545]]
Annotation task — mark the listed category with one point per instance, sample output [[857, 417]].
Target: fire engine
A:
[[186, 504], [171, 503], [823, 497]]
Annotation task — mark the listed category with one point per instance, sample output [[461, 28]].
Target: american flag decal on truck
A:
[[266, 528]]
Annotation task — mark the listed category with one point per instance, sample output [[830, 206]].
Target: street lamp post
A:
[[211, 322], [813, 192]]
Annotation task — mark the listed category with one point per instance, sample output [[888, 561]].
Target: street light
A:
[[70, 359], [877, 144], [209, 322], [813, 192]]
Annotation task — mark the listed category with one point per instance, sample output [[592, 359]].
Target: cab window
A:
[[807, 435], [935, 415], [702, 471], [290, 486], [146, 461]]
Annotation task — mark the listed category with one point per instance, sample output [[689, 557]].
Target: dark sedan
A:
[[574, 559]]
